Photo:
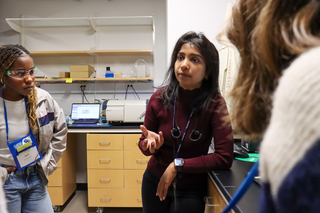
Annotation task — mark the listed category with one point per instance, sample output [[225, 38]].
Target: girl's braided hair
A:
[[8, 55]]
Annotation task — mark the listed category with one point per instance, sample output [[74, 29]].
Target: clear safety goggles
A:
[[21, 74]]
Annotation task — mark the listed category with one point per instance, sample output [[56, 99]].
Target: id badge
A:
[[25, 151]]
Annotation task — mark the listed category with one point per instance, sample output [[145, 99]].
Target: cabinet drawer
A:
[[105, 197], [135, 160], [131, 141], [114, 198], [104, 159], [105, 141], [105, 178], [133, 197], [55, 179], [133, 179]]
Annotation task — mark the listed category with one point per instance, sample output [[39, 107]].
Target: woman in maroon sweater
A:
[[181, 120]]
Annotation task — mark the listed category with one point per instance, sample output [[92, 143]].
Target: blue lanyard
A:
[[5, 113], [185, 130]]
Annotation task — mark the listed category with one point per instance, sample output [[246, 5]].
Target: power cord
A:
[[132, 89], [101, 123], [82, 88]]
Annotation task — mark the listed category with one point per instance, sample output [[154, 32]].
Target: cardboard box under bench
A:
[[81, 71]]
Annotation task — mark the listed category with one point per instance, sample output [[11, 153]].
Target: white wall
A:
[[205, 16], [65, 94]]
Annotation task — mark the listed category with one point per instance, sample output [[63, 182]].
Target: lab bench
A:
[[223, 184], [115, 166]]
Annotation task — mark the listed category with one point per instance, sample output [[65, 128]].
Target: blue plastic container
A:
[[109, 73]]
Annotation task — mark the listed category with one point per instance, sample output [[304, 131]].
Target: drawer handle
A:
[[104, 143], [108, 180], [209, 201], [142, 160], [105, 198], [139, 180], [105, 160], [139, 199], [212, 204]]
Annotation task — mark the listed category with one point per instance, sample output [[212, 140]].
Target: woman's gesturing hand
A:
[[153, 140]]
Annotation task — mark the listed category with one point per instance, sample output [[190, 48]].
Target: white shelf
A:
[[122, 52], [106, 80], [92, 52], [123, 20], [60, 53], [18, 23], [86, 36]]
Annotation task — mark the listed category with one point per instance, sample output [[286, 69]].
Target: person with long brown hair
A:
[[33, 133], [276, 97], [182, 118]]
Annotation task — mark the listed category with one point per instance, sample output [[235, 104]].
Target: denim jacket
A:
[[52, 135]]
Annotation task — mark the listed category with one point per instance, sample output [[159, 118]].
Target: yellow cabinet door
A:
[[215, 202], [56, 195], [55, 179]]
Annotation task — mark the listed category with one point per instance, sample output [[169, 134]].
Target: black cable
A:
[[135, 91], [83, 95], [126, 92]]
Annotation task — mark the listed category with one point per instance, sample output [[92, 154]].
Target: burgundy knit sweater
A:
[[197, 161]]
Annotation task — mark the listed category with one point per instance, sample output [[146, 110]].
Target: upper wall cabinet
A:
[[116, 42]]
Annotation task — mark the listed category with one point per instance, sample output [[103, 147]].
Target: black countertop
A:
[[230, 180]]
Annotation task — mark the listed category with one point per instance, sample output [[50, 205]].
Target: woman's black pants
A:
[[189, 199]]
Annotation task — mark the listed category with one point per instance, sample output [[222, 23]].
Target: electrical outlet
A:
[[83, 87]]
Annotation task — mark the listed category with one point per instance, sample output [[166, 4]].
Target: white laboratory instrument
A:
[[124, 111]]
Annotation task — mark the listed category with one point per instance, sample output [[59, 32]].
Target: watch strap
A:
[[179, 171]]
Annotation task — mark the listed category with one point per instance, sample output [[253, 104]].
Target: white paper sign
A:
[[28, 156]]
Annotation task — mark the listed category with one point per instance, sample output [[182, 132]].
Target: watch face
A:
[[178, 161]]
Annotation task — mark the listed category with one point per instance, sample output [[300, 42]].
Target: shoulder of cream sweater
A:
[[295, 119]]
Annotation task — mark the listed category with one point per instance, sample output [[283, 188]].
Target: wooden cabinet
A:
[[62, 182], [115, 169], [215, 201]]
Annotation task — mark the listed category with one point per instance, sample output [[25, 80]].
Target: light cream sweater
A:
[[3, 204], [294, 127]]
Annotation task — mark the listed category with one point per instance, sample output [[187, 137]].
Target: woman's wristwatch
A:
[[178, 163]]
